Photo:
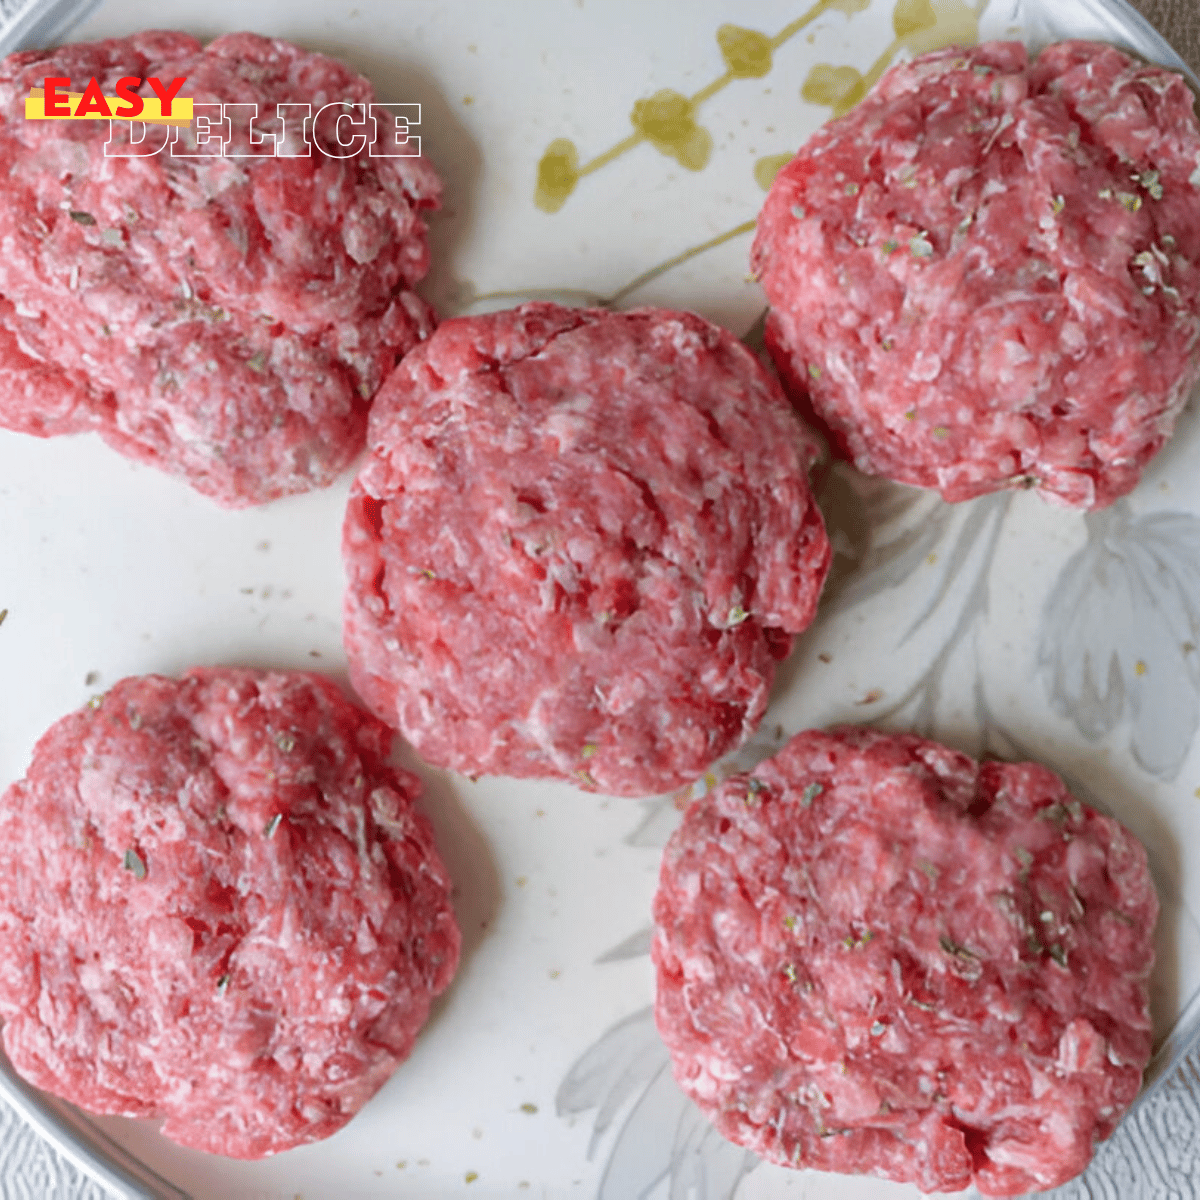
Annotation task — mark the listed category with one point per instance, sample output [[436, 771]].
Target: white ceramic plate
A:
[[990, 625]]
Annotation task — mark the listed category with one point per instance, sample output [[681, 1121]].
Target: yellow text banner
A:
[[181, 109]]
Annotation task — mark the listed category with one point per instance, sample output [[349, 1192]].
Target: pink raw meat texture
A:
[[876, 955], [987, 275], [580, 545], [225, 319], [219, 906]]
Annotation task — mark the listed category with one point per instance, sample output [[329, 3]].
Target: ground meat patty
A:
[[226, 319], [579, 547], [220, 907], [876, 955], [988, 274]]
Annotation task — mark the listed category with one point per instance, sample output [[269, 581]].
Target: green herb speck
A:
[[789, 922], [814, 370], [737, 614], [810, 793], [1055, 813], [3, 614], [588, 750], [133, 862], [529, 1108], [82, 218], [890, 246], [851, 189], [256, 362], [952, 947], [790, 972], [1129, 201], [1059, 955], [285, 742], [940, 431]]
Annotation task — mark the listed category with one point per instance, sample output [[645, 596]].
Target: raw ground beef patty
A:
[[220, 907], [580, 545], [987, 275], [226, 319], [876, 955]]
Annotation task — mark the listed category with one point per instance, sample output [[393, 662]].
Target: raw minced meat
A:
[[220, 907], [876, 955], [225, 319], [987, 275], [580, 545]]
